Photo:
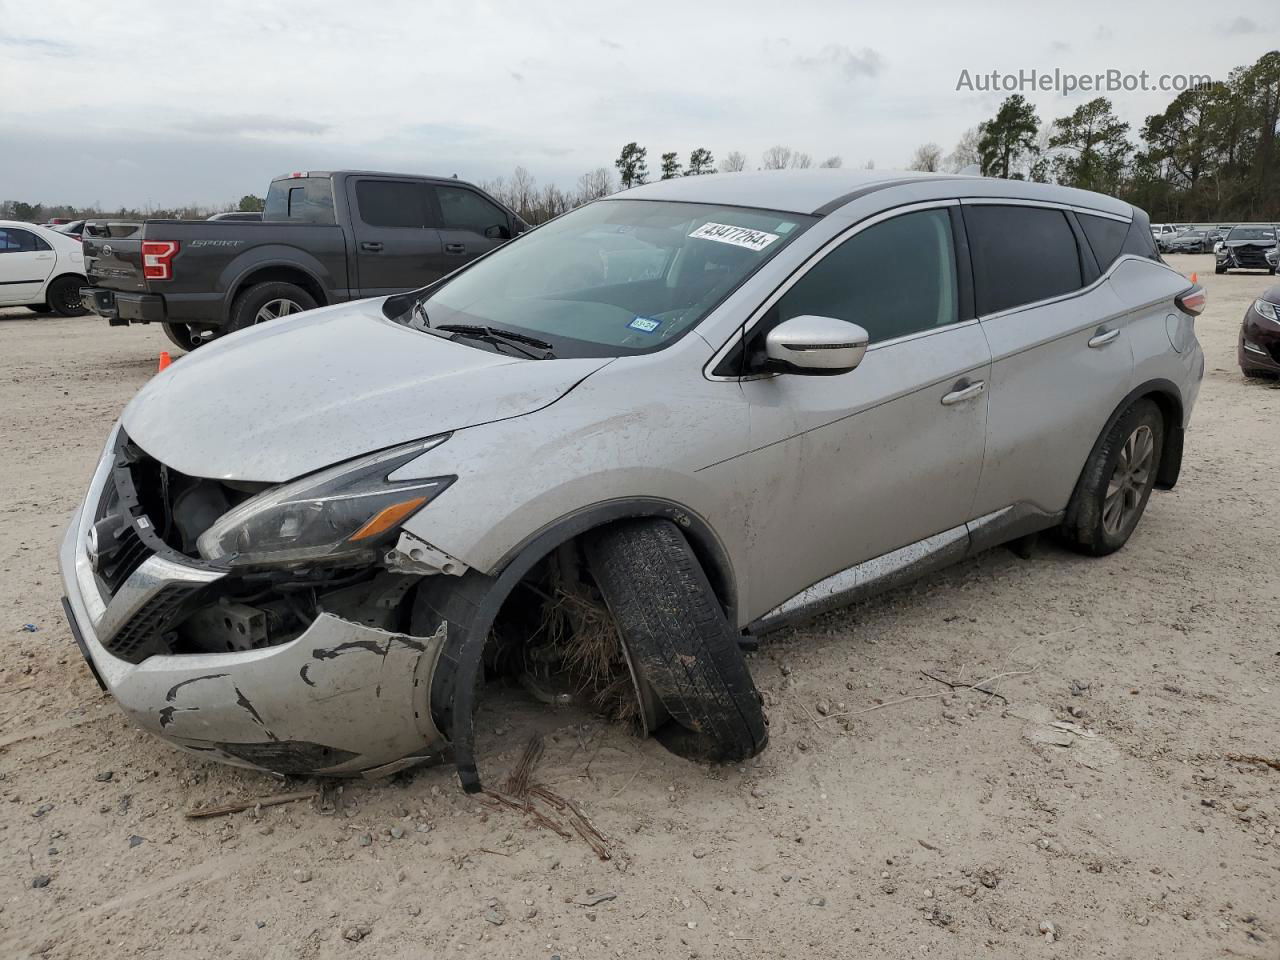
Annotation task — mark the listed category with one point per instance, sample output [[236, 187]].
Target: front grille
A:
[[1253, 258], [115, 568], [143, 633]]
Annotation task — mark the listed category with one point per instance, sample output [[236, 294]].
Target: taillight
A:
[[1192, 301], [157, 259]]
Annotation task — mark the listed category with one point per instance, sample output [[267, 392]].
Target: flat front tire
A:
[[679, 644], [1112, 492]]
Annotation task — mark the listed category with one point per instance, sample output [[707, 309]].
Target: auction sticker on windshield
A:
[[738, 236]]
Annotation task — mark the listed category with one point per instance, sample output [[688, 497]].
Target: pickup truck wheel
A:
[[678, 641], [264, 302], [63, 297]]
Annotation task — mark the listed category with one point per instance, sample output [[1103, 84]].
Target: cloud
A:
[[610, 44], [55, 48], [864, 63], [1241, 25], [1059, 47], [251, 123]]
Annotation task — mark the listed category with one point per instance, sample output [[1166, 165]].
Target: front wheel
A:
[[264, 302], [679, 645], [63, 297], [1112, 492], [40, 308]]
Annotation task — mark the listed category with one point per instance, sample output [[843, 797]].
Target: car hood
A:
[[276, 402], [1249, 243]]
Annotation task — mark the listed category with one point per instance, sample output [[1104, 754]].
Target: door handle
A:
[[455, 248], [373, 246], [963, 393], [45, 256], [1102, 339]]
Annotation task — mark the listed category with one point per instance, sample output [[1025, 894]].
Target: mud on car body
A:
[[699, 410]]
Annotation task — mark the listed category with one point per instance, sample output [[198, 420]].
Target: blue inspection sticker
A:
[[644, 324]]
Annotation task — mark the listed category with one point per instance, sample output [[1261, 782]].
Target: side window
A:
[[20, 241], [462, 209], [1105, 236], [390, 203], [1020, 255], [1139, 242], [895, 278], [300, 199]]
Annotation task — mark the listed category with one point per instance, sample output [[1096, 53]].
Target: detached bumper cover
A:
[[341, 698]]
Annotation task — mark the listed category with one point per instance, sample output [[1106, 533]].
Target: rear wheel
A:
[[265, 302], [1112, 492], [63, 297], [678, 643]]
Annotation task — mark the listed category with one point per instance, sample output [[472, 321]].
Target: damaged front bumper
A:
[[340, 698]]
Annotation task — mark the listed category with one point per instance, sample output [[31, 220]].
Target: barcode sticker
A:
[[738, 236]]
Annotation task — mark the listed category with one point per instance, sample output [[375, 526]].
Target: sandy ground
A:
[[951, 825]]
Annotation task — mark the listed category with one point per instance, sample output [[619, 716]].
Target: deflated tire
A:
[[678, 642]]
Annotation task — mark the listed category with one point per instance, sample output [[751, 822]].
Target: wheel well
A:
[[1171, 455], [282, 274], [702, 540]]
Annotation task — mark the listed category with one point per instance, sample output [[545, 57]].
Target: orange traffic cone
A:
[[165, 360], [1194, 278]]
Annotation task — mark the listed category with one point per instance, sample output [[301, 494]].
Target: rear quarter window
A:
[[1106, 236], [1020, 255], [300, 200]]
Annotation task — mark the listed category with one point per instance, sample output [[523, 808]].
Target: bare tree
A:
[[801, 161], [928, 157], [776, 158], [733, 162], [523, 188], [966, 152], [595, 184], [832, 163], [869, 165]]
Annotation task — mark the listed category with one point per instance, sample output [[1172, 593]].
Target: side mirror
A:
[[497, 232], [817, 346]]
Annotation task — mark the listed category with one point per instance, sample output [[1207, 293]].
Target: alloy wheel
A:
[[1129, 481], [275, 309]]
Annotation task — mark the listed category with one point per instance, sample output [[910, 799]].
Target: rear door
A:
[[470, 224], [26, 261], [1060, 350], [396, 247]]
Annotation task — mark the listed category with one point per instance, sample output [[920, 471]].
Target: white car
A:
[[41, 269]]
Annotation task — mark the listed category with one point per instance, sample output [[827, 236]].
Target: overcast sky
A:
[[133, 103]]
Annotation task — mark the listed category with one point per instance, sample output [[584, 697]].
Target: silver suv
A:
[[605, 457]]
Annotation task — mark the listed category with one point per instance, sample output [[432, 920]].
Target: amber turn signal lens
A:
[[387, 517]]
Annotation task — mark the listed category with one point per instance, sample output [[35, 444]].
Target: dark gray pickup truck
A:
[[324, 238]]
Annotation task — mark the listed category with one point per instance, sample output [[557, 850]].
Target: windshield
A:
[[1252, 233], [612, 278]]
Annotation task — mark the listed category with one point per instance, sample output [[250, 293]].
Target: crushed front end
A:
[[302, 667]]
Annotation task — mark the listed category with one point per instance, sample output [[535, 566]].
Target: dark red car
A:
[[1259, 350]]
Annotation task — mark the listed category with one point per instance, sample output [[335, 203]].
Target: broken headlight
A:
[[341, 513]]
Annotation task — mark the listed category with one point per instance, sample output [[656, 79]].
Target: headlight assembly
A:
[[340, 513], [1267, 309]]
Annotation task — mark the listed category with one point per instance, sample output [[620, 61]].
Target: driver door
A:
[[853, 466]]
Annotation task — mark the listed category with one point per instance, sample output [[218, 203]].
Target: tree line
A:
[[1210, 155]]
